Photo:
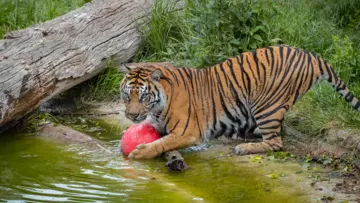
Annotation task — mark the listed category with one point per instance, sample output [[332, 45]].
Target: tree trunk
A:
[[41, 61]]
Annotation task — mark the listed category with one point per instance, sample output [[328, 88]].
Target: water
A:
[[36, 169]]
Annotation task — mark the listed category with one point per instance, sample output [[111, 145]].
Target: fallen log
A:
[[41, 61]]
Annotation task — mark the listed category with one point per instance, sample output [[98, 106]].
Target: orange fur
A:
[[241, 96]]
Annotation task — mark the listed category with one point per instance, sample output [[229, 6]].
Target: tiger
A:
[[246, 95]]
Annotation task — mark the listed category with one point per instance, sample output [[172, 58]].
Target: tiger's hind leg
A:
[[270, 128]]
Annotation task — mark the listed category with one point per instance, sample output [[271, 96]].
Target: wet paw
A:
[[140, 146], [143, 151]]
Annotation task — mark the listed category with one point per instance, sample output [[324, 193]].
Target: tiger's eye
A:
[[143, 96]]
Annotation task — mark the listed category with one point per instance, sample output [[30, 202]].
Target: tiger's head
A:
[[141, 92]]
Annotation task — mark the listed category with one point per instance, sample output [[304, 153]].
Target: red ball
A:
[[137, 134]]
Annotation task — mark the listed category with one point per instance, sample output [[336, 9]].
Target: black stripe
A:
[[341, 86], [244, 74], [263, 89], [156, 89], [270, 127], [357, 105], [173, 75], [188, 72], [270, 138], [221, 131], [223, 105], [281, 50], [206, 94], [349, 97], [283, 77], [301, 72], [221, 96], [219, 83], [328, 71], [167, 121], [252, 72], [257, 64], [189, 114], [212, 91], [183, 78], [234, 77], [198, 123], [238, 101], [233, 73], [269, 121], [272, 59], [332, 71], [262, 116], [273, 96], [225, 75], [311, 69], [190, 77], [174, 126], [200, 87], [288, 54], [320, 66], [169, 100], [213, 81], [267, 56]]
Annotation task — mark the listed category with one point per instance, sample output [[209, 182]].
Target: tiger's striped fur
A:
[[243, 95]]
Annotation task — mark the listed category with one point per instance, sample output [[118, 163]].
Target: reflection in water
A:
[[34, 169]]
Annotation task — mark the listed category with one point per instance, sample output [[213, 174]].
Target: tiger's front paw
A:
[[143, 151]]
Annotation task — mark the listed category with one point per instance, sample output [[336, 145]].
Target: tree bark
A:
[[41, 61]]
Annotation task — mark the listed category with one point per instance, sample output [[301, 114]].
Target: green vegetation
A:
[[103, 87], [206, 32], [19, 14]]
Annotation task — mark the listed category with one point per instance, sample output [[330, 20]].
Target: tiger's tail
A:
[[327, 72]]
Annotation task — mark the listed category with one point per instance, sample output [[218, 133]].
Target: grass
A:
[[206, 32], [199, 35], [19, 14], [104, 87]]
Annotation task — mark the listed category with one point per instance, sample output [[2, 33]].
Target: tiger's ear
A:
[[125, 68], [156, 75]]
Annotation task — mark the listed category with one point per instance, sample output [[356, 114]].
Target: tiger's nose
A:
[[132, 116]]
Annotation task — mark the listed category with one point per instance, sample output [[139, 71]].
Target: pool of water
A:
[[36, 169]]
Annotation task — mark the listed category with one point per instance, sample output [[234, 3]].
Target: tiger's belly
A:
[[240, 127]]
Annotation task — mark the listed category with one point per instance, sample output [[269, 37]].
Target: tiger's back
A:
[[243, 95]]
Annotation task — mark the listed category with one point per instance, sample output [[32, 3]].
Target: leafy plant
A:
[[345, 58], [255, 158], [277, 175], [105, 86], [201, 34], [280, 156]]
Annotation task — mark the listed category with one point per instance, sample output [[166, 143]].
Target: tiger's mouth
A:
[[140, 118]]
